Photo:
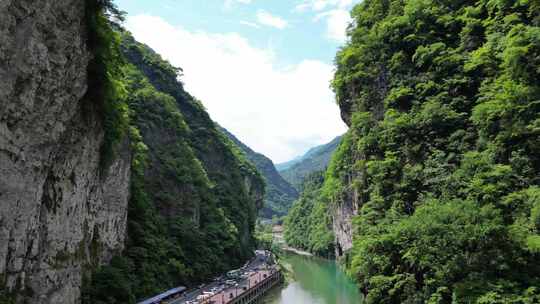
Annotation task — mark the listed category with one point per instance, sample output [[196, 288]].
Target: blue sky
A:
[[261, 67]]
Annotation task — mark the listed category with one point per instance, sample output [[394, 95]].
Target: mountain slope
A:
[[279, 194], [194, 198], [434, 189], [115, 184], [286, 165], [308, 225], [316, 159]]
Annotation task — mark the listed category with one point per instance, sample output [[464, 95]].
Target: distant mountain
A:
[[316, 159], [288, 164], [279, 194]]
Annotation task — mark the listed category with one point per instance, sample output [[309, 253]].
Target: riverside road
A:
[[221, 291]]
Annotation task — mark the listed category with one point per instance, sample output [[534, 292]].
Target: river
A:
[[313, 281]]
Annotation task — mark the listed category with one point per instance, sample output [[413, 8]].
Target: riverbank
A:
[[296, 251], [313, 280], [243, 285], [279, 240]]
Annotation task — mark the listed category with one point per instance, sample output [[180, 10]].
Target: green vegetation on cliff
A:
[[279, 194], [442, 99], [194, 196], [308, 225], [105, 88]]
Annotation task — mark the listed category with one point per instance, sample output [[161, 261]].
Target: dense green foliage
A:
[[5, 297], [264, 236], [308, 225], [442, 99], [105, 88], [279, 194], [194, 197], [316, 159]]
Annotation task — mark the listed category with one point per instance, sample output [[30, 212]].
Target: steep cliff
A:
[[279, 194], [194, 197], [60, 210], [226, 169], [434, 189], [114, 182]]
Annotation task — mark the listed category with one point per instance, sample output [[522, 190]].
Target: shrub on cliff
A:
[[105, 86]]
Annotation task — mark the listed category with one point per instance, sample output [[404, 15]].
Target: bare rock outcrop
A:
[[342, 223], [60, 211]]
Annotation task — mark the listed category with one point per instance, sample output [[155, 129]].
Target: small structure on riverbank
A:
[[277, 229]]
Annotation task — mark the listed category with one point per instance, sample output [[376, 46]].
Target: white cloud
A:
[[334, 12], [278, 112], [250, 24], [319, 5], [268, 19], [337, 21], [229, 3]]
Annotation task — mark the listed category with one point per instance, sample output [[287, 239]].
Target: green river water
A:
[[313, 281]]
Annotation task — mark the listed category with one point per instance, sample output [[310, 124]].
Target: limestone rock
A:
[[59, 211]]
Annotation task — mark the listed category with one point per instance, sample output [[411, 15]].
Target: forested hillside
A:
[[126, 187], [279, 194], [194, 196], [316, 159], [308, 225], [441, 163]]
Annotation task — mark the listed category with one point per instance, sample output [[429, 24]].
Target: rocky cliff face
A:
[[346, 206], [342, 217], [58, 210], [346, 198], [64, 199], [193, 196]]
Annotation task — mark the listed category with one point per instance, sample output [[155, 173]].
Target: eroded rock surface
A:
[[59, 210]]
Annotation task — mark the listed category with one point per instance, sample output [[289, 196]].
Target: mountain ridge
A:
[[315, 159], [279, 194]]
